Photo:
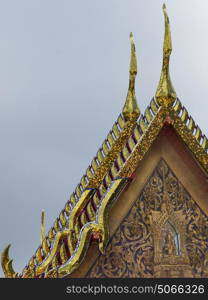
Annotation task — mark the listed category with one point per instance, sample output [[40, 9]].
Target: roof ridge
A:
[[119, 133], [135, 147], [125, 146], [116, 166], [153, 113], [191, 124]]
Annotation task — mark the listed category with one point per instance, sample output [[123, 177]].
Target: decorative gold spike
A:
[[153, 106], [148, 115], [63, 253], [89, 172], [62, 219], [45, 247], [114, 171], [77, 230], [42, 227], [116, 131], [191, 124], [83, 218], [72, 199], [121, 121], [105, 148], [184, 116], [67, 209], [177, 106], [137, 133], [79, 206], [5, 258], [165, 93], [96, 200], [100, 156], [56, 225], [53, 273], [6, 264], [198, 134], [31, 263], [55, 262], [10, 269], [90, 211], [83, 182], [71, 241], [38, 255], [142, 125], [131, 109], [51, 234], [131, 143], [205, 143], [78, 191], [108, 179], [110, 139], [102, 189], [94, 164], [125, 154], [120, 160]]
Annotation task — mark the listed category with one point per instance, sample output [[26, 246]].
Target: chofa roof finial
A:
[[131, 109], [165, 94]]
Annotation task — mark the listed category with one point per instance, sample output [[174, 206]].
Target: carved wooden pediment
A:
[[164, 234]]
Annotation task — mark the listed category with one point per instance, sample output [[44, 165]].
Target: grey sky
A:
[[63, 81]]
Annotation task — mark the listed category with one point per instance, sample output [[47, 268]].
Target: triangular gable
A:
[[171, 148], [85, 215], [140, 247]]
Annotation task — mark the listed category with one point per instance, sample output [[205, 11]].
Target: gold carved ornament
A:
[[138, 248], [100, 165], [120, 155], [99, 226]]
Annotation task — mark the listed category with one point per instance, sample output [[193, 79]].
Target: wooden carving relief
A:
[[165, 234]]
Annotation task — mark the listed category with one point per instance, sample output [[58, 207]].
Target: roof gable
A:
[[85, 215], [135, 248]]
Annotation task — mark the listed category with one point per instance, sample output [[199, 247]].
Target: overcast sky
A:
[[63, 82]]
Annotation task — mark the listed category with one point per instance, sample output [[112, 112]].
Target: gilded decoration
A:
[[64, 247], [165, 93], [165, 234], [131, 109]]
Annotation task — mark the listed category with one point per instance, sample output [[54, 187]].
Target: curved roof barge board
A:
[[121, 153], [92, 179]]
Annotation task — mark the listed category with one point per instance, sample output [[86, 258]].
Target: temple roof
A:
[[85, 215]]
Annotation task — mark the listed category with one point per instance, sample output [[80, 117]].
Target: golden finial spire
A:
[[165, 93], [131, 109], [6, 264], [42, 227]]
